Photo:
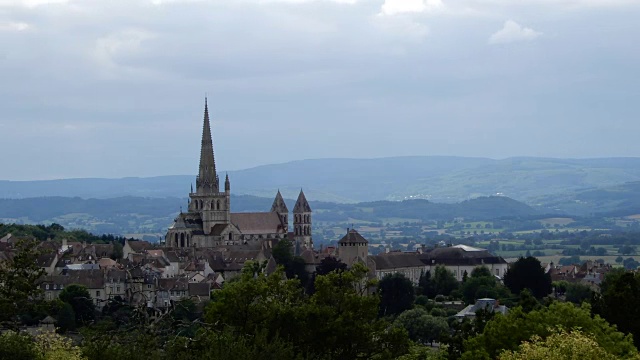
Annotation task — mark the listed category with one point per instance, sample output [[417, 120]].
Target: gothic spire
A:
[[207, 180], [279, 205], [302, 205]]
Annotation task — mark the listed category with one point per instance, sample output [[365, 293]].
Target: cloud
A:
[[393, 7], [14, 26], [31, 3], [513, 32]]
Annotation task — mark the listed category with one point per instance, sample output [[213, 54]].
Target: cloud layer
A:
[[115, 88]]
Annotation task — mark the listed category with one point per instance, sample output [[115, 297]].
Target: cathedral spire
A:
[[207, 180]]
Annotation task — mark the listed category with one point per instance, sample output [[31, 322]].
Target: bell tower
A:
[[302, 223], [213, 205]]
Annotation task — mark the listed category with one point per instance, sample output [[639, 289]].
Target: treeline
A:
[[56, 231]]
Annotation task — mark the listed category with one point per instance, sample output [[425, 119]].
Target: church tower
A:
[[302, 223], [280, 207], [213, 205]]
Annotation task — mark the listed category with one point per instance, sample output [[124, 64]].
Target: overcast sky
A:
[[115, 88]]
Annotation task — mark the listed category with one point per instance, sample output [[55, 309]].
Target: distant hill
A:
[[619, 200], [436, 178], [136, 215]]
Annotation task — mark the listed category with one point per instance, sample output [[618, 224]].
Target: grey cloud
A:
[[123, 81]]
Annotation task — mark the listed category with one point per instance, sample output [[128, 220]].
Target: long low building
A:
[[458, 259]]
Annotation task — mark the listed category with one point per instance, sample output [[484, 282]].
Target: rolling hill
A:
[[439, 179]]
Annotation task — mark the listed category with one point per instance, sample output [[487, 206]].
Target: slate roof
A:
[[200, 289], [302, 205], [139, 245], [457, 255], [92, 279], [257, 223], [279, 205], [353, 236], [396, 261], [46, 260], [241, 255]]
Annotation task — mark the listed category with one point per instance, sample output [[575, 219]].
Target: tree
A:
[[396, 294], [66, 318], [443, 281], [507, 332], [578, 293], [425, 284], [619, 259], [17, 346], [78, 297], [118, 251], [339, 321], [562, 345], [619, 302], [527, 273], [330, 264], [19, 282], [57, 347], [422, 327], [527, 301]]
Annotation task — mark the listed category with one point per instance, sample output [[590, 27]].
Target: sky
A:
[[95, 88]]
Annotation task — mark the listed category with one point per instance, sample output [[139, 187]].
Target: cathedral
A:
[[209, 222]]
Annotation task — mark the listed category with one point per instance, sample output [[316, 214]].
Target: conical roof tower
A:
[[207, 180]]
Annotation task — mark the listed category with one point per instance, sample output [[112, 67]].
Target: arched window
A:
[[218, 205], [196, 204], [230, 236], [201, 205], [182, 240]]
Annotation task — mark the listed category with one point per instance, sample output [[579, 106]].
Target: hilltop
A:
[[436, 178]]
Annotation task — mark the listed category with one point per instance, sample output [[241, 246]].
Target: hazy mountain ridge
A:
[[126, 215], [441, 179]]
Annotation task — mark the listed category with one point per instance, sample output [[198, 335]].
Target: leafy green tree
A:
[[66, 318], [339, 321], [330, 264], [294, 266], [560, 346], [19, 282], [527, 301], [482, 284], [422, 327], [396, 294], [507, 332], [444, 282], [18, 346], [578, 293], [425, 284], [619, 302], [527, 273], [118, 252], [78, 297]]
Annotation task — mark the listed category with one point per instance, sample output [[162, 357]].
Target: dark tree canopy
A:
[[444, 282], [78, 297], [527, 273], [330, 264], [396, 294], [19, 282], [619, 302]]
